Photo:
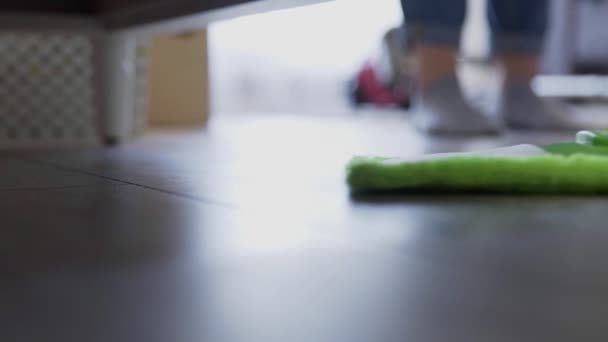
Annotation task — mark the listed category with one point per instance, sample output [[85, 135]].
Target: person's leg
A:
[[435, 26], [440, 106], [519, 28]]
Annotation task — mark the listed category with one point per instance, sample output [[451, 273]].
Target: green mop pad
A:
[[566, 168]]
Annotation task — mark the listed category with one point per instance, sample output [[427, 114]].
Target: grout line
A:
[[46, 188], [169, 192]]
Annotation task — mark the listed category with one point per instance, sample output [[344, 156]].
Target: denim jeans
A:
[[517, 25]]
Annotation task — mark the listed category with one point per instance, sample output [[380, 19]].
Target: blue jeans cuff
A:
[[436, 34], [517, 43]]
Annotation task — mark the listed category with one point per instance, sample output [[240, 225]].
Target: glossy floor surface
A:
[[246, 232]]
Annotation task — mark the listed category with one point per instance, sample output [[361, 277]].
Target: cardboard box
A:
[[179, 80]]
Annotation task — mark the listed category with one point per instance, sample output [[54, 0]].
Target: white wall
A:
[[295, 60]]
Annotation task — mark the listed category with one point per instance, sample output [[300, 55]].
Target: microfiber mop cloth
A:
[[579, 167]]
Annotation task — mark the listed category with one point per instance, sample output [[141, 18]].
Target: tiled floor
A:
[[246, 232]]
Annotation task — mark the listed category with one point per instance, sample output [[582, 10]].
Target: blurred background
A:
[[300, 68], [304, 68], [60, 84]]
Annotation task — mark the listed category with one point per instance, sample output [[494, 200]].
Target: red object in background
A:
[[369, 89], [387, 79], [372, 88]]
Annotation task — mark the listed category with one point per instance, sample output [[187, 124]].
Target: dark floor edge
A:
[[52, 188], [168, 192]]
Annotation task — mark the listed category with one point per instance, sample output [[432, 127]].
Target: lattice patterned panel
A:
[[47, 89]]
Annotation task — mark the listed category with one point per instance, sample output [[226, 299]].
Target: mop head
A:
[[570, 168]]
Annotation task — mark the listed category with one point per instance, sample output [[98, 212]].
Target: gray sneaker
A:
[[443, 109], [521, 108]]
